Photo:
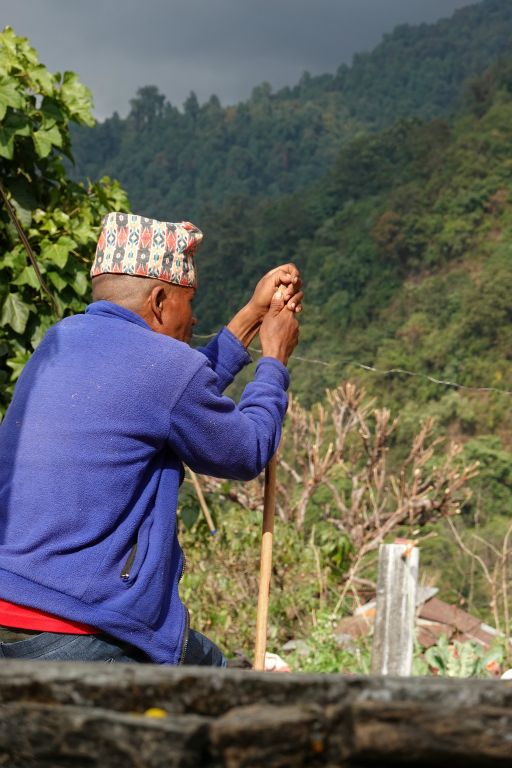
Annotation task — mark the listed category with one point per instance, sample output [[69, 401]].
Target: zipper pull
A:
[[125, 573]]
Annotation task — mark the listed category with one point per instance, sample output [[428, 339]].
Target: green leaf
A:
[[45, 139], [54, 135], [43, 78], [80, 283], [189, 515], [15, 259], [24, 216], [15, 313], [77, 98], [23, 200], [51, 109], [56, 254], [65, 241], [23, 193], [17, 363], [57, 280], [14, 125], [42, 144], [419, 667], [6, 143], [82, 233], [40, 331], [27, 277], [9, 95], [19, 124]]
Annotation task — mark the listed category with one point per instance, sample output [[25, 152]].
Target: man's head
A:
[[147, 266], [166, 307]]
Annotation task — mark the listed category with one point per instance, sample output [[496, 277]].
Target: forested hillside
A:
[[405, 246], [181, 162]]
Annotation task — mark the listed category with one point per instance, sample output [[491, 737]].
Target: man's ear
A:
[[156, 302]]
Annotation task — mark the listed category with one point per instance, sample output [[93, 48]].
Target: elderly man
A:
[[108, 409]]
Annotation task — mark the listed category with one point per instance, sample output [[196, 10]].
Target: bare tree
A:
[[343, 446], [494, 564]]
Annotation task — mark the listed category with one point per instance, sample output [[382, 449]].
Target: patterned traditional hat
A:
[[134, 245]]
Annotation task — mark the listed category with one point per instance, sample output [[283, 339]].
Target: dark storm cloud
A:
[[209, 46]]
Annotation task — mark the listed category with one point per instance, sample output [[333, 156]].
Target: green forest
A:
[[389, 183], [189, 160]]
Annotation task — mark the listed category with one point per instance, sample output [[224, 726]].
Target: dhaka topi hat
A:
[[134, 245]]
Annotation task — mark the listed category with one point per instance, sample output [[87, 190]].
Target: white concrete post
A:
[[393, 639]]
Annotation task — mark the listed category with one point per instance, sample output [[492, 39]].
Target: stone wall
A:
[[117, 716]]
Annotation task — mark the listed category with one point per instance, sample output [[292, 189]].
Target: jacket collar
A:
[[109, 309]]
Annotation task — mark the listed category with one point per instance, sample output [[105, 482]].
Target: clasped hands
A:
[[271, 311]]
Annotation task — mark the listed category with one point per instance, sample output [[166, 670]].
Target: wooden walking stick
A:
[[269, 506], [202, 502]]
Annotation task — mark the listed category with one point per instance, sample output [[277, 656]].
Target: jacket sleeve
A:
[[214, 436], [227, 356]]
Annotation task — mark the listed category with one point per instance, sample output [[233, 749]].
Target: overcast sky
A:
[[224, 47]]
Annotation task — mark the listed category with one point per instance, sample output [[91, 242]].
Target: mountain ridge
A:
[[177, 164]]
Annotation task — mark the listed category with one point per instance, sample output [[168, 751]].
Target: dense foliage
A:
[[59, 217], [182, 163]]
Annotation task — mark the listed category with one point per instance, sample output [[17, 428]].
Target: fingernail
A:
[[278, 295]]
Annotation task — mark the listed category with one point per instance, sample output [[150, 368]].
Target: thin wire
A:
[[380, 371], [444, 382], [204, 335]]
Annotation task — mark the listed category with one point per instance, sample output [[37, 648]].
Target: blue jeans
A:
[[52, 646]]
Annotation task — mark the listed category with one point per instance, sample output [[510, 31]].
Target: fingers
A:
[[279, 334], [286, 279], [287, 274], [290, 269], [278, 302], [290, 283], [291, 286], [295, 302]]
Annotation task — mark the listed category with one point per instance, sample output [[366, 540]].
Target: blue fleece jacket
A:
[[91, 453]]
